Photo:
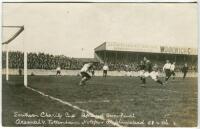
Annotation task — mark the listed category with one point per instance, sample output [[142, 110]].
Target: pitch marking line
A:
[[77, 108]]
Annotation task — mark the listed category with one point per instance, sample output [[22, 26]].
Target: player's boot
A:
[[165, 82], [160, 82], [80, 84]]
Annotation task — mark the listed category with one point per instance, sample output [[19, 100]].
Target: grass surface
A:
[[173, 105]]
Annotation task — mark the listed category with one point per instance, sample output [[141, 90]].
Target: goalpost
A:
[[6, 43]]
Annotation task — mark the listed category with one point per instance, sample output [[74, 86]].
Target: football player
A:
[[166, 69], [85, 73], [141, 67], [172, 69], [185, 70], [105, 70], [150, 71], [58, 71]]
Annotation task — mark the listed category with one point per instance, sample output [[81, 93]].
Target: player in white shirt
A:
[[58, 71], [172, 68], [166, 69], [85, 73], [105, 70]]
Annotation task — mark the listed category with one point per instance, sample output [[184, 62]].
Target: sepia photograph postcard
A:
[[98, 64]]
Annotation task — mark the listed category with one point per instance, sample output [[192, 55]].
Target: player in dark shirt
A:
[[147, 70], [92, 71], [185, 70], [20, 71], [141, 68], [148, 66]]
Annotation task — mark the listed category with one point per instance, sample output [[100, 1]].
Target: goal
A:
[[9, 37]]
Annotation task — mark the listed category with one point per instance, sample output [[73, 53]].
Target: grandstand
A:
[[130, 54]]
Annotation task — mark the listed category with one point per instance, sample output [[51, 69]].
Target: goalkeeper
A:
[[85, 73]]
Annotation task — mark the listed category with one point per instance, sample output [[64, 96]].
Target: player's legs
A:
[[85, 77], [143, 80], [20, 72], [141, 74], [173, 74], [159, 81], [83, 80], [105, 73], [144, 76], [184, 75], [168, 74]]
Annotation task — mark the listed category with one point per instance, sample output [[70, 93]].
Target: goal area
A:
[[13, 41]]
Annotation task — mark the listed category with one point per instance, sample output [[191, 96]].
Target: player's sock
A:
[[80, 83], [160, 82], [83, 80]]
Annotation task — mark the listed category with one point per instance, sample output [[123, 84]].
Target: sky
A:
[[75, 29]]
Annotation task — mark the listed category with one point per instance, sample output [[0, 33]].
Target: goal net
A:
[[14, 55]]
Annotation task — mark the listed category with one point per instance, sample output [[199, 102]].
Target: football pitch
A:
[[111, 101]]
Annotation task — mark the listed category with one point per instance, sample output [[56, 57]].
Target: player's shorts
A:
[[58, 72], [167, 72], [105, 71], [85, 74]]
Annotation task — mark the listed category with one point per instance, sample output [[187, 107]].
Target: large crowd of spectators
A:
[[48, 62], [40, 61]]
